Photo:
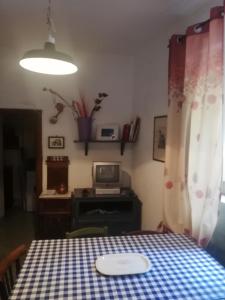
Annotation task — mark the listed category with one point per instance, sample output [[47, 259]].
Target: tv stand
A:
[[120, 213]]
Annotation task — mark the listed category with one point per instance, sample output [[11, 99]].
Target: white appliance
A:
[[30, 195]]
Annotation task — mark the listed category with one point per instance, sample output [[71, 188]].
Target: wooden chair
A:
[[161, 229], [9, 270], [87, 232], [144, 232]]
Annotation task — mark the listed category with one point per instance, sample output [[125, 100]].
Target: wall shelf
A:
[[122, 144]]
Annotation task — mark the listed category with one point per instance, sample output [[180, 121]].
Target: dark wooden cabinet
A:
[[54, 216], [120, 213], [54, 211]]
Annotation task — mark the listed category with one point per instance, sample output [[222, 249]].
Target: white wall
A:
[[150, 99], [112, 74]]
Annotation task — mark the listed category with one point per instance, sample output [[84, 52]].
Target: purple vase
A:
[[84, 128]]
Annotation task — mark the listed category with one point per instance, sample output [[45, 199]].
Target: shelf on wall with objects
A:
[[121, 142], [109, 134]]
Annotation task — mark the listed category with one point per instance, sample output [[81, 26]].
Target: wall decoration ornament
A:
[[159, 138], [79, 109]]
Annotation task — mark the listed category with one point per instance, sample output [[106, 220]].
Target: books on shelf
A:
[[126, 132], [131, 130], [136, 129]]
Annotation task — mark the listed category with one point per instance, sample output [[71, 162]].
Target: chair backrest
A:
[[87, 232], [161, 229], [9, 270], [144, 232]]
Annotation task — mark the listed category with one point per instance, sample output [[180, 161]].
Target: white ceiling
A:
[[120, 26]]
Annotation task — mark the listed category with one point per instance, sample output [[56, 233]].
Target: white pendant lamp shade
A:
[[48, 61]]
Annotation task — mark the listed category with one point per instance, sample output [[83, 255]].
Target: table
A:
[[65, 269]]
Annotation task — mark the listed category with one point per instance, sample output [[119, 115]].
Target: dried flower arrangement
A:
[[97, 102], [78, 108]]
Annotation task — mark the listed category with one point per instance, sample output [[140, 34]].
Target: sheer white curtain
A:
[[223, 184], [193, 167]]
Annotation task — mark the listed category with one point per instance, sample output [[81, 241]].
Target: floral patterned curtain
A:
[[193, 166]]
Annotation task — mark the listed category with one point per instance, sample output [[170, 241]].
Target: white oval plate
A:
[[122, 264]]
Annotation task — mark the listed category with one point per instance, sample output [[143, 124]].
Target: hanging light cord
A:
[[50, 23]]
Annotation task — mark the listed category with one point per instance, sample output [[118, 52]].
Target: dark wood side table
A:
[[54, 215]]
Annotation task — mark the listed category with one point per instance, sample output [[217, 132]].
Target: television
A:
[[106, 177]]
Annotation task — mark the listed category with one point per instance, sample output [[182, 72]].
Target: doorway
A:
[[21, 151]]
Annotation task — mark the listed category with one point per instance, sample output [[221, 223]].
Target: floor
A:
[[16, 227]]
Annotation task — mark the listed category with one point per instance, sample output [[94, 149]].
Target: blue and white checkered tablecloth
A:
[[65, 269]]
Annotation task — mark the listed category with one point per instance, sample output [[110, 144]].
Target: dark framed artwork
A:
[[56, 142], [159, 138]]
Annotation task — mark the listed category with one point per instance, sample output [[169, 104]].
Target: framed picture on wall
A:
[[159, 138], [56, 142]]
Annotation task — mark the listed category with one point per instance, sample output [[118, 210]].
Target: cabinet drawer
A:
[[54, 205]]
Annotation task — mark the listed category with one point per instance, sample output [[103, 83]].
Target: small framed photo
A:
[[159, 138], [56, 142]]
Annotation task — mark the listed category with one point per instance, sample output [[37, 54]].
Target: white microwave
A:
[[107, 132]]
